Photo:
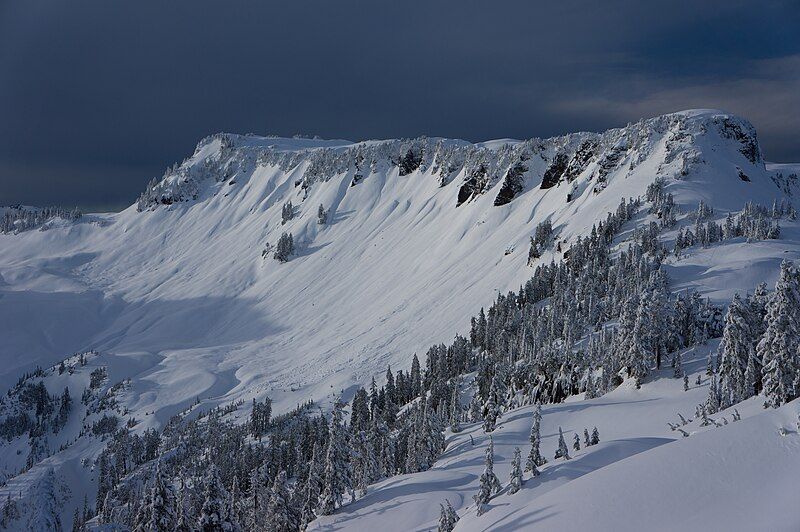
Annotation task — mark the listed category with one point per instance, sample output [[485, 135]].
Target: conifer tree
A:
[[713, 399], [751, 379], [141, 520], [313, 487], [235, 508], [491, 413], [416, 378], [576, 442], [595, 436], [284, 248], [337, 465], [281, 516], [455, 410], [678, 366], [365, 465], [412, 451], [258, 498], [447, 517], [489, 484], [213, 515], [497, 391], [515, 482], [162, 504], [535, 458], [287, 212], [734, 353], [181, 518], [562, 451], [778, 348], [390, 402]]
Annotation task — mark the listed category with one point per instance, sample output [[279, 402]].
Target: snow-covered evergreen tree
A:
[[778, 348], [365, 464], [492, 410], [313, 487], [491, 413], [678, 366], [281, 517], [337, 465], [562, 451], [735, 351], [214, 515], [447, 517], [515, 480], [182, 519], [162, 505], [535, 458], [489, 484], [713, 399], [455, 410], [416, 378], [284, 249], [287, 212]]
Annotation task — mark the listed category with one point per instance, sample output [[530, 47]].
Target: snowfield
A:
[[179, 302]]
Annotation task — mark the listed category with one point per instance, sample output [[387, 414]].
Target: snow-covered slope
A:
[[179, 295], [175, 294], [641, 476]]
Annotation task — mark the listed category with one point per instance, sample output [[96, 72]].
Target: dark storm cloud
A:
[[97, 97]]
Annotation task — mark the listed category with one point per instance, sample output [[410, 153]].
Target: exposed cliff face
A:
[[582, 157]]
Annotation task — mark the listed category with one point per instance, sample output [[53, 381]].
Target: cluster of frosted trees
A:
[[489, 484], [287, 212], [540, 240], [18, 219], [759, 351], [284, 248], [754, 222], [240, 476], [30, 409]]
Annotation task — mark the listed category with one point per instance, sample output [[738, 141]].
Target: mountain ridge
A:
[[181, 299]]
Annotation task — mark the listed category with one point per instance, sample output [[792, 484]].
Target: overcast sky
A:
[[98, 97]]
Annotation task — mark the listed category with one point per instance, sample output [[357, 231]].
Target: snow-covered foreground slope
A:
[[641, 476], [177, 297]]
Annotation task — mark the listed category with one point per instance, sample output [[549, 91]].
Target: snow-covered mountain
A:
[[180, 299]]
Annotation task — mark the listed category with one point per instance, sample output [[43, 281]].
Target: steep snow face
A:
[[420, 233]]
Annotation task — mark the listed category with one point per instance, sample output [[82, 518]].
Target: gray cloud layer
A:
[[97, 97]]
